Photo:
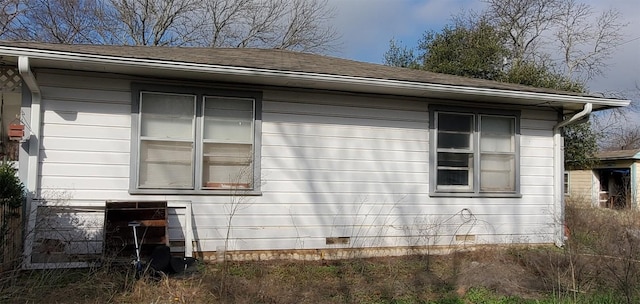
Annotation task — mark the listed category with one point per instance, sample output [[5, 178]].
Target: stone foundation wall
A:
[[334, 254]]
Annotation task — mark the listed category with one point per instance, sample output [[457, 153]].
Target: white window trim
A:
[[433, 151], [200, 92]]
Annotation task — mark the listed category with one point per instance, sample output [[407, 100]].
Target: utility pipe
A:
[[558, 169], [29, 79]]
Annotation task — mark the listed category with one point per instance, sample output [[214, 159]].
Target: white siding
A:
[[333, 165], [582, 187]]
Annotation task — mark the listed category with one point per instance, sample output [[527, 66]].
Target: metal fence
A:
[[10, 237]]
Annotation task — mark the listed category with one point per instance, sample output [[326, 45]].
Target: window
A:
[[189, 140], [566, 183], [474, 153]]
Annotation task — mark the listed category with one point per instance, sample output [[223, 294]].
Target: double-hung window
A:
[[474, 153], [191, 140]]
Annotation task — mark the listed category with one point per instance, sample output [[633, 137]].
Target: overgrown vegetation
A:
[[580, 146], [11, 200], [599, 264], [11, 189]]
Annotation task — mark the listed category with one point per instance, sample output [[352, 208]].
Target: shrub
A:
[[11, 189], [11, 200]]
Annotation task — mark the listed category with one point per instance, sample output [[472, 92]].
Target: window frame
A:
[[200, 93], [474, 189]]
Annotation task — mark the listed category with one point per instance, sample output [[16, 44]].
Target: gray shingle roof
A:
[[280, 60], [618, 154]]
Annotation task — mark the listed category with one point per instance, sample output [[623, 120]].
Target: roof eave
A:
[[73, 60], [635, 156]]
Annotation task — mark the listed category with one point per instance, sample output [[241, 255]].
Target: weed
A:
[[600, 267], [384, 280]]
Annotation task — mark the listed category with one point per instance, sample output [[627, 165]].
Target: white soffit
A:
[[257, 76]]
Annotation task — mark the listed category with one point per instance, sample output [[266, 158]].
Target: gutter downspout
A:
[[558, 169], [36, 116], [634, 186]]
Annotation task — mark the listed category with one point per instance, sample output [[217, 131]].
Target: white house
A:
[[265, 154]]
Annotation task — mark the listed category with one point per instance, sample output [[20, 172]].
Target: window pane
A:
[[455, 169], [497, 172], [455, 122], [167, 115], [497, 134], [228, 120], [227, 166], [453, 178], [462, 160], [166, 164], [454, 141], [454, 131]]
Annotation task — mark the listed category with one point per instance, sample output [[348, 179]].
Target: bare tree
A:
[[10, 10], [621, 138], [301, 25], [618, 128], [223, 15], [586, 42], [306, 27], [243, 23], [525, 21], [58, 21], [151, 22], [569, 39]]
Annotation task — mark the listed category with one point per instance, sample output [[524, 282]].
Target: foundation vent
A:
[[465, 238], [342, 240]]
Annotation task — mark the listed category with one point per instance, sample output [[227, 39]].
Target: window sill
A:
[[222, 192], [475, 195]]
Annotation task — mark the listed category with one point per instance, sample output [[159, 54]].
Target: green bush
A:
[[11, 199], [11, 189]]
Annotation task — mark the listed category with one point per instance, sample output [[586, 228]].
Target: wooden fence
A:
[[10, 237]]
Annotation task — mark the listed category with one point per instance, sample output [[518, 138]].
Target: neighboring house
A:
[[612, 183], [273, 154]]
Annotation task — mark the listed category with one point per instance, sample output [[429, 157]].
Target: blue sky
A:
[[367, 26]]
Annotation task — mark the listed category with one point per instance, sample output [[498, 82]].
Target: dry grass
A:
[[600, 264], [355, 281], [602, 254]]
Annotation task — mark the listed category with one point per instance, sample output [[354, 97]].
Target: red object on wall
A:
[[16, 131]]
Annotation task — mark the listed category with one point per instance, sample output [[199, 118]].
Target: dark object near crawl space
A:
[[162, 261]]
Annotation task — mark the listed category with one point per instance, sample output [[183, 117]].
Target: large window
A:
[[195, 141], [474, 153]]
